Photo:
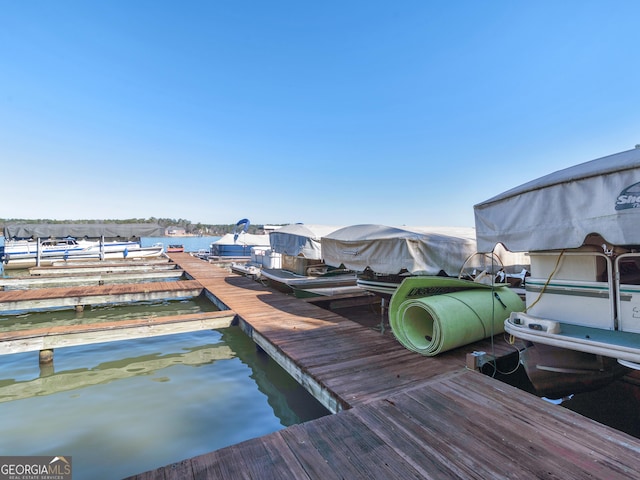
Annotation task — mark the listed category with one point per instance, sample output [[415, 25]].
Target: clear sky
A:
[[403, 112]]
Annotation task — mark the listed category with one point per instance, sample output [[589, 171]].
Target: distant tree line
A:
[[189, 227]]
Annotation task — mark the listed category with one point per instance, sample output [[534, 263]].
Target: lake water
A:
[[191, 244], [126, 407]]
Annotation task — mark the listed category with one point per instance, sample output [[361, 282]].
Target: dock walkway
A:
[[94, 287], [399, 414]]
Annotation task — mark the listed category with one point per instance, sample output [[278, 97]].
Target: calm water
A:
[[191, 244], [126, 407]]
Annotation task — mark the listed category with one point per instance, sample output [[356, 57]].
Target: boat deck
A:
[[400, 415]]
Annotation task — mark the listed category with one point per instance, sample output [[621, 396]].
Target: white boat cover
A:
[[298, 239], [560, 209], [79, 230], [243, 239], [387, 250]]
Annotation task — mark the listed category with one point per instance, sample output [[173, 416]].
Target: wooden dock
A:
[[93, 286], [16, 301], [87, 279], [399, 414], [49, 338]]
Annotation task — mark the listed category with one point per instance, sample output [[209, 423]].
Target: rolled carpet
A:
[[436, 323]]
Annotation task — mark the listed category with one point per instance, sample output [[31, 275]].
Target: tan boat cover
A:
[[560, 209], [298, 239], [388, 250], [80, 230]]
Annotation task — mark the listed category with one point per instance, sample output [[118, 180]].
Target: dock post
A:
[[383, 307], [46, 363], [38, 252], [79, 308], [46, 356]]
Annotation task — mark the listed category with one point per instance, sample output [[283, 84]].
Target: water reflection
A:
[[126, 407], [291, 403], [49, 383]]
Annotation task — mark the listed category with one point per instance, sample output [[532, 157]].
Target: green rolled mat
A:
[[434, 324]]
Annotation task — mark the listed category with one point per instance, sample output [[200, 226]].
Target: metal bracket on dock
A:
[[476, 360]]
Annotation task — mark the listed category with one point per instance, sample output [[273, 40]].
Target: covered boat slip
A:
[[389, 250], [80, 230], [560, 210], [302, 265], [237, 245], [580, 227], [384, 255], [302, 240], [35, 244], [401, 415]]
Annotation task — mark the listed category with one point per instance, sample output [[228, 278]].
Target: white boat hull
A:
[[20, 259]]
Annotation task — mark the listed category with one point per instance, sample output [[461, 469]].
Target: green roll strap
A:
[[459, 312]]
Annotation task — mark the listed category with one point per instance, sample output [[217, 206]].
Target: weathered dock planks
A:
[[402, 415], [87, 279], [347, 364], [83, 268], [463, 425], [49, 338], [16, 301]]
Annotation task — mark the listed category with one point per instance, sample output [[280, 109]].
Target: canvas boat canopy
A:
[[80, 230], [299, 239], [388, 250], [248, 239], [559, 210]]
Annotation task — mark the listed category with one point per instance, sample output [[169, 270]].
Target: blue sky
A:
[[334, 112]]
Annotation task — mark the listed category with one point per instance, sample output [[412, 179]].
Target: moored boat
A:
[[22, 254], [237, 245], [580, 227], [261, 257], [286, 281], [383, 256], [42, 244], [302, 266]]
